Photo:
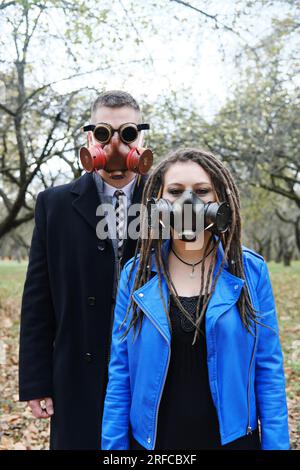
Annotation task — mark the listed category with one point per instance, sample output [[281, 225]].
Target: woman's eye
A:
[[177, 192], [174, 192], [202, 191]]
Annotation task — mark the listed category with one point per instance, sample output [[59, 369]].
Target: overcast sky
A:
[[183, 51]]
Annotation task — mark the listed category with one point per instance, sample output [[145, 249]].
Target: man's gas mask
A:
[[103, 153], [188, 216]]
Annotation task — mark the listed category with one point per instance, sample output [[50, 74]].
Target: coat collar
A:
[[226, 294], [87, 199]]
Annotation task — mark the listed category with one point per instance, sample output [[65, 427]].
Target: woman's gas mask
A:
[[105, 153], [188, 216]]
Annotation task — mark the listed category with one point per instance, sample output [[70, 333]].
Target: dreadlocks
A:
[[147, 246]]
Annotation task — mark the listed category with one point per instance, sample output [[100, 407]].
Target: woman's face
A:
[[188, 175]]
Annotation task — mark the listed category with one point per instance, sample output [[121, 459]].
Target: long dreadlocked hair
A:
[[226, 190]]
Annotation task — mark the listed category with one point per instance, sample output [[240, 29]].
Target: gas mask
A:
[[189, 216], [105, 153]]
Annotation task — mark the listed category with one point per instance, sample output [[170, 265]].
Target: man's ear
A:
[[90, 138], [141, 139]]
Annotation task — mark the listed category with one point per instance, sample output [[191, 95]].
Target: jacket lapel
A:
[[226, 294], [227, 290], [149, 299]]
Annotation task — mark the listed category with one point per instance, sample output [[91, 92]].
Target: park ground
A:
[[19, 430]]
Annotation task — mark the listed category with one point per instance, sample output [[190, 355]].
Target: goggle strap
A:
[[91, 127], [143, 127]]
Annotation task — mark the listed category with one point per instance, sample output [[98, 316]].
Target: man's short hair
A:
[[115, 99]]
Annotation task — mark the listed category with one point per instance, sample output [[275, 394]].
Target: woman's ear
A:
[[216, 197], [160, 191]]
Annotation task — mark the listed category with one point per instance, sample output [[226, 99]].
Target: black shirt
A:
[[187, 417]]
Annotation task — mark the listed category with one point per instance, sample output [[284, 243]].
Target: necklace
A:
[[192, 274]]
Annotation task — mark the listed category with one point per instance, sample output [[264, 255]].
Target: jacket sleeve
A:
[[269, 372], [115, 421], [37, 318]]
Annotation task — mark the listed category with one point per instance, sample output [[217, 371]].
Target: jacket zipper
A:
[[249, 429], [165, 375], [161, 392]]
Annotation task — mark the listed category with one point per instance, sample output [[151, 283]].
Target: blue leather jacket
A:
[[246, 374]]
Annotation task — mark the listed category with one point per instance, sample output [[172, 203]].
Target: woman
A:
[[196, 361]]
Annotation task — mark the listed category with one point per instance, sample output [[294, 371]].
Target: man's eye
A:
[[174, 192]]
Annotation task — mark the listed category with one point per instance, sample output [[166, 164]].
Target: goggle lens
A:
[[129, 134], [102, 133]]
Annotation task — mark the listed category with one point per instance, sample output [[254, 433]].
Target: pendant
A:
[[192, 274]]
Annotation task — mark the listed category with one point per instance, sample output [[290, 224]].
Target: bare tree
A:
[[38, 124]]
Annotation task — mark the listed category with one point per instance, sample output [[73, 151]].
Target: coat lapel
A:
[[87, 199], [136, 199]]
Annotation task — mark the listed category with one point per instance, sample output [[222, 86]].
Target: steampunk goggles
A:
[[128, 132]]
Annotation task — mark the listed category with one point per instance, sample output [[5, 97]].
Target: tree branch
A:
[[5, 5], [207, 15], [76, 75], [283, 219], [6, 200], [26, 218], [7, 110]]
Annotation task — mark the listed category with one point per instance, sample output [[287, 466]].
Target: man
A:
[[69, 292]]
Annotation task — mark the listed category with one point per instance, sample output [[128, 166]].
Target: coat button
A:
[[236, 286], [91, 300], [141, 294], [101, 246], [149, 440], [88, 357]]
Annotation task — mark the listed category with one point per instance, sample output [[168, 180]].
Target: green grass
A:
[[12, 277], [278, 268]]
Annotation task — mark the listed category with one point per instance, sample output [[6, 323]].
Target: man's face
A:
[[116, 117]]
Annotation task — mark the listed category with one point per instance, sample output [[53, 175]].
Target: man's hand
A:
[[40, 410]]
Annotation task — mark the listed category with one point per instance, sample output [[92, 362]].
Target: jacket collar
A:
[[226, 294]]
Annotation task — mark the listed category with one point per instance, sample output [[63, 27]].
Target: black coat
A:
[[66, 312]]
